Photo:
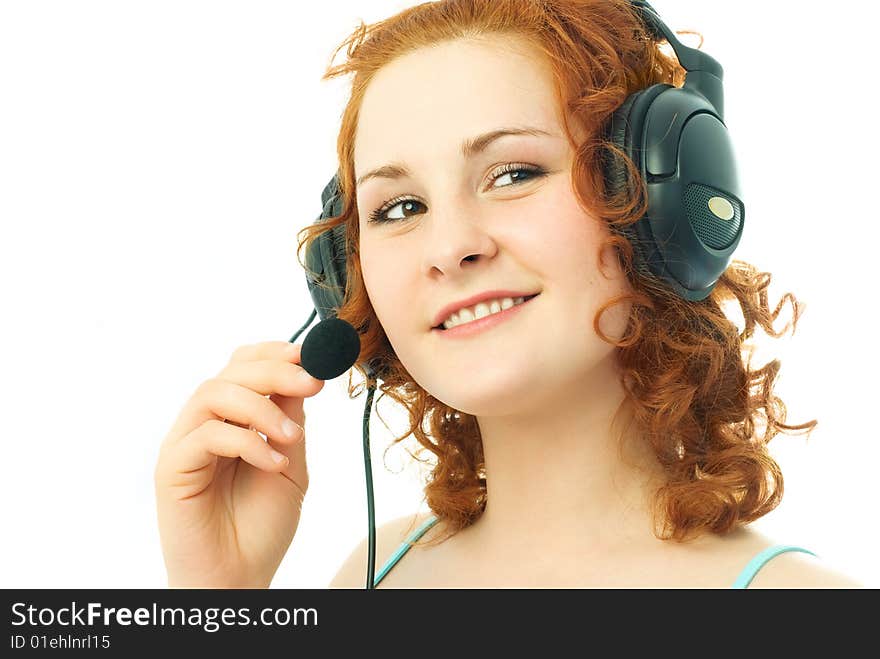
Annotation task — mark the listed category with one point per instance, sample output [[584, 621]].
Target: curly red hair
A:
[[688, 388]]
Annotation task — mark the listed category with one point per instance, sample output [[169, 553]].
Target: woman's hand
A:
[[227, 509]]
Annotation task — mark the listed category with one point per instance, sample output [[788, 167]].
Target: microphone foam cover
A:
[[330, 348]]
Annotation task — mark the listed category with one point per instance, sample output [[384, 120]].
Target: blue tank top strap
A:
[[404, 547], [745, 577]]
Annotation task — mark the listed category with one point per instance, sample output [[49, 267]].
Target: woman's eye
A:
[[381, 215], [514, 173]]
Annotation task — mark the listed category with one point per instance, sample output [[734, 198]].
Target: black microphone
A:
[[330, 349]]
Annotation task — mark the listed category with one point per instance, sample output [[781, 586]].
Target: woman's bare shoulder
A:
[[789, 569], [389, 536], [795, 569]]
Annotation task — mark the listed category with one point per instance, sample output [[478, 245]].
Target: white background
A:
[[156, 161]]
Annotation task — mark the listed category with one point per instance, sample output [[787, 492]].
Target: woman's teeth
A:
[[481, 310]]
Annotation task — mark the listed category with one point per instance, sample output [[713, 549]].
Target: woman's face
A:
[[466, 226]]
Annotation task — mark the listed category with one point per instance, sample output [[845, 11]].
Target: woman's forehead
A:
[[443, 96]]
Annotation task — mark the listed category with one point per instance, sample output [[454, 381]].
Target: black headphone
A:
[[677, 139]]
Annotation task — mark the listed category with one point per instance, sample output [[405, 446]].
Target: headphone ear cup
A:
[[326, 256], [620, 133], [335, 255], [615, 173]]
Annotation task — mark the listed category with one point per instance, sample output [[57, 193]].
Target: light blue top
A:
[[742, 581]]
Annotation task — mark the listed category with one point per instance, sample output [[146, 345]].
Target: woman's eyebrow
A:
[[469, 148]]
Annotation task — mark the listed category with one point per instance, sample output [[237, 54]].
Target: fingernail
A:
[[289, 428], [278, 457]]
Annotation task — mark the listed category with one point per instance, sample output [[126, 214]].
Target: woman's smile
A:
[[479, 325]]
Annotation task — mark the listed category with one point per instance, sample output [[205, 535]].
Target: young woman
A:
[[590, 427]]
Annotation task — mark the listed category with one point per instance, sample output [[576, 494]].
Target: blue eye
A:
[[515, 170]]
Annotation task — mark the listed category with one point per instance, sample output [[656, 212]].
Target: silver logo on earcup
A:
[[721, 208]]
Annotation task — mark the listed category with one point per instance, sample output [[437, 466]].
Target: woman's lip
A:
[[486, 322]]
